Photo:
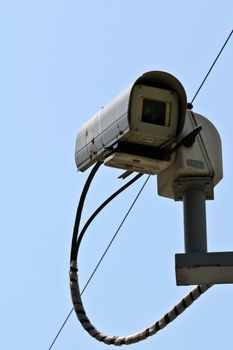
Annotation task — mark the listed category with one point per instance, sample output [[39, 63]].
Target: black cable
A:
[[212, 66], [76, 245], [170, 316], [98, 210], [80, 207], [187, 141], [118, 229]]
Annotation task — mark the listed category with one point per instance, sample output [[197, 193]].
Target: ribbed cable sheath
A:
[[133, 338]]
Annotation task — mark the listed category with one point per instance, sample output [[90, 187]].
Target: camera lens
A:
[[154, 112]]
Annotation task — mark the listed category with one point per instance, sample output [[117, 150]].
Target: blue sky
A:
[[61, 61]]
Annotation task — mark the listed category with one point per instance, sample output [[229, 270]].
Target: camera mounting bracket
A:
[[196, 265]]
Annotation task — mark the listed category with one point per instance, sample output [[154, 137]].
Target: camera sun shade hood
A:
[[113, 122], [164, 80]]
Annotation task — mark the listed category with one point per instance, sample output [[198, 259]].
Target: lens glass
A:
[[154, 112]]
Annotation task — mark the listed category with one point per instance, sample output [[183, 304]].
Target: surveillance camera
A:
[[134, 128]]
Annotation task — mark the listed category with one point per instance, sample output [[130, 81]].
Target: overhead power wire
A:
[[61, 328], [212, 66]]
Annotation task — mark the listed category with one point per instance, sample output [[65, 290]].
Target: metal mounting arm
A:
[[197, 266]]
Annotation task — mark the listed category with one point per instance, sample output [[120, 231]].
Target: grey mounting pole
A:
[[194, 191], [195, 235]]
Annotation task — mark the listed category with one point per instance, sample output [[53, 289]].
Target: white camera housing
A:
[[131, 130], [202, 160]]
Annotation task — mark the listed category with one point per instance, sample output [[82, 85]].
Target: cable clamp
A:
[[73, 266]]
